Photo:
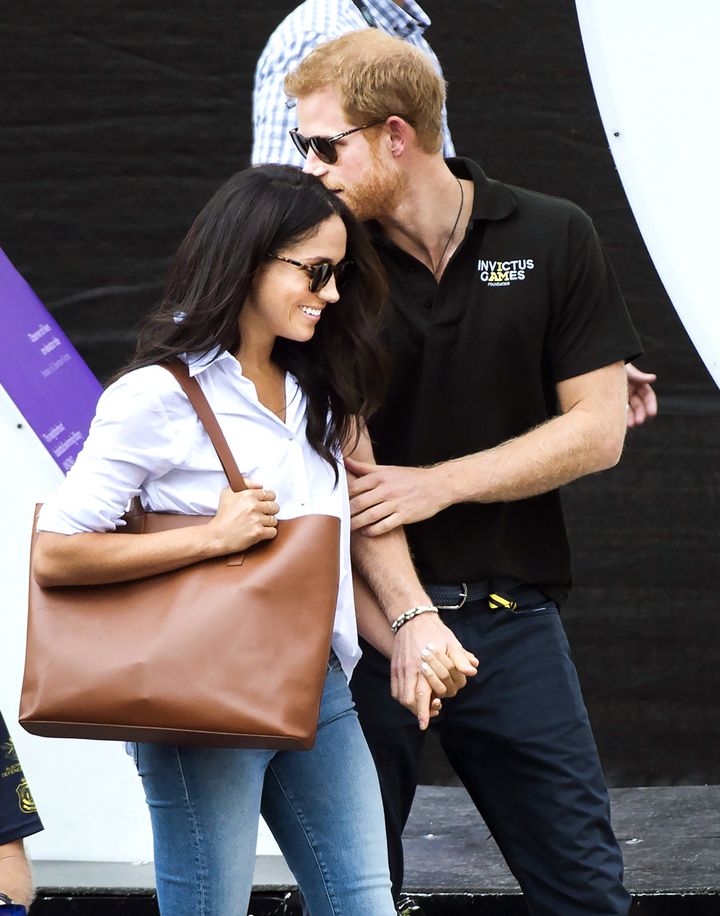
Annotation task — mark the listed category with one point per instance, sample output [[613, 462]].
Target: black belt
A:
[[497, 592], [453, 597]]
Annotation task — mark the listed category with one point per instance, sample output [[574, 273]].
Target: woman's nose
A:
[[329, 292]]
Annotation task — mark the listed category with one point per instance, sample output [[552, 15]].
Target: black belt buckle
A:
[[463, 593]]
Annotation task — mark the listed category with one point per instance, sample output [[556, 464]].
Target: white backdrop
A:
[[655, 68], [87, 792]]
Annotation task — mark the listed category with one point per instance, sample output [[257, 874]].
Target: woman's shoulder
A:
[[151, 379], [149, 389]]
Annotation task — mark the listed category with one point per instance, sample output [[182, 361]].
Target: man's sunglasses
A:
[[324, 147], [319, 274]]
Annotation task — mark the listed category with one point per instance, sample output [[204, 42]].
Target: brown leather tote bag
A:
[[227, 652]]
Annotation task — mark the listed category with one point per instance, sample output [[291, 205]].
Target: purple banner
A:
[[42, 372]]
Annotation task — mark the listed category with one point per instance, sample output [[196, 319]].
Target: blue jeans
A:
[[323, 807]]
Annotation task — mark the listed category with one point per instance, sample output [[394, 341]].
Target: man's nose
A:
[[314, 165]]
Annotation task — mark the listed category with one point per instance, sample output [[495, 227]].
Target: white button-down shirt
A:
[[146, 439], [309, 25]]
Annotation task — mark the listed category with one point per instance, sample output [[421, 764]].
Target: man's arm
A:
[[15, 877], [372, 622], [586, 437], [387, 568]]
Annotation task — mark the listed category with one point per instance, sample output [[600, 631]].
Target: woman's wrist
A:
[[212, 544]]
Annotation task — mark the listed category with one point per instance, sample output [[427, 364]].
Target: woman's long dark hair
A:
[[258, 211]]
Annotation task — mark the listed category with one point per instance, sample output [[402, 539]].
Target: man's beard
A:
[[377, 193]]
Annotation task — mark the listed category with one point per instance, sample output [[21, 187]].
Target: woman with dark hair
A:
[[273, 300]]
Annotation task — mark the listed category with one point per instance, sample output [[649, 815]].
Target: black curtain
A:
[[119, 119]]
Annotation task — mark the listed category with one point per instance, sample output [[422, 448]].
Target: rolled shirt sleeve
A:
[[131, 440]]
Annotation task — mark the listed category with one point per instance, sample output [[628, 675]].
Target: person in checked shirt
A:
[[309, 25]]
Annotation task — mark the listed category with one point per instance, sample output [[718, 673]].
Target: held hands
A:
[[642, 401], [244, 518], [383, 497], [428, 664]]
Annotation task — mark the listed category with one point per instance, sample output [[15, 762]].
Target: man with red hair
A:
[[508, 336]]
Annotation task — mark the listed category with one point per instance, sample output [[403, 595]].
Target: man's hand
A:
[[417, 688], [642, 401], [383, 497]]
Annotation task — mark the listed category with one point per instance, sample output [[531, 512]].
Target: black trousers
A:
[[518, 737]]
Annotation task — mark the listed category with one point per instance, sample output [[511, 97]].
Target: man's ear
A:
[[400, 135]]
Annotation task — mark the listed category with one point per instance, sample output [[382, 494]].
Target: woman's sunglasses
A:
[[324, 147], [319, 274]]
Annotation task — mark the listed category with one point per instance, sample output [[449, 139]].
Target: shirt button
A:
[[428, 304]]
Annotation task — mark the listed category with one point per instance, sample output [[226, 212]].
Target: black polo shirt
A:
[[527, 300], [18, 815]]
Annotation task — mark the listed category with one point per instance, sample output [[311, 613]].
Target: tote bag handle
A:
[[180, 372]]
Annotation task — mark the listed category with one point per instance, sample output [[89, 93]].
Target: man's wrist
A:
[[411, 614], [413, 598], [465, 479], [9, 908], [446, 483]]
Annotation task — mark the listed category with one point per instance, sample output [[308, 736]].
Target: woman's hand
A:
[[440, 672], [96, 558], [244, 518], [383, 497]]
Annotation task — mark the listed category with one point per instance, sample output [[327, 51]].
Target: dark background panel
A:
[[119, 118]]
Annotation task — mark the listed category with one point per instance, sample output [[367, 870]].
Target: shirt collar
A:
[[402, 20], [492, 199], [199, 362]]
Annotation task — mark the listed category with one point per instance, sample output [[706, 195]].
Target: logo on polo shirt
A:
[[503, 273], [8, 749], [12, 767], [26, 802]]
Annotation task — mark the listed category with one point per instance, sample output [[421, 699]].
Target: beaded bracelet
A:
[[413, 612]]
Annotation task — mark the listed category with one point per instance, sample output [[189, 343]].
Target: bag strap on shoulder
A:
[[179, 370]]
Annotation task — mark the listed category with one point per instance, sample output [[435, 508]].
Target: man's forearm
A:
[[547, 457], [372, 623], [586, 437], [385, 563], [386, 566], [15, 877]]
